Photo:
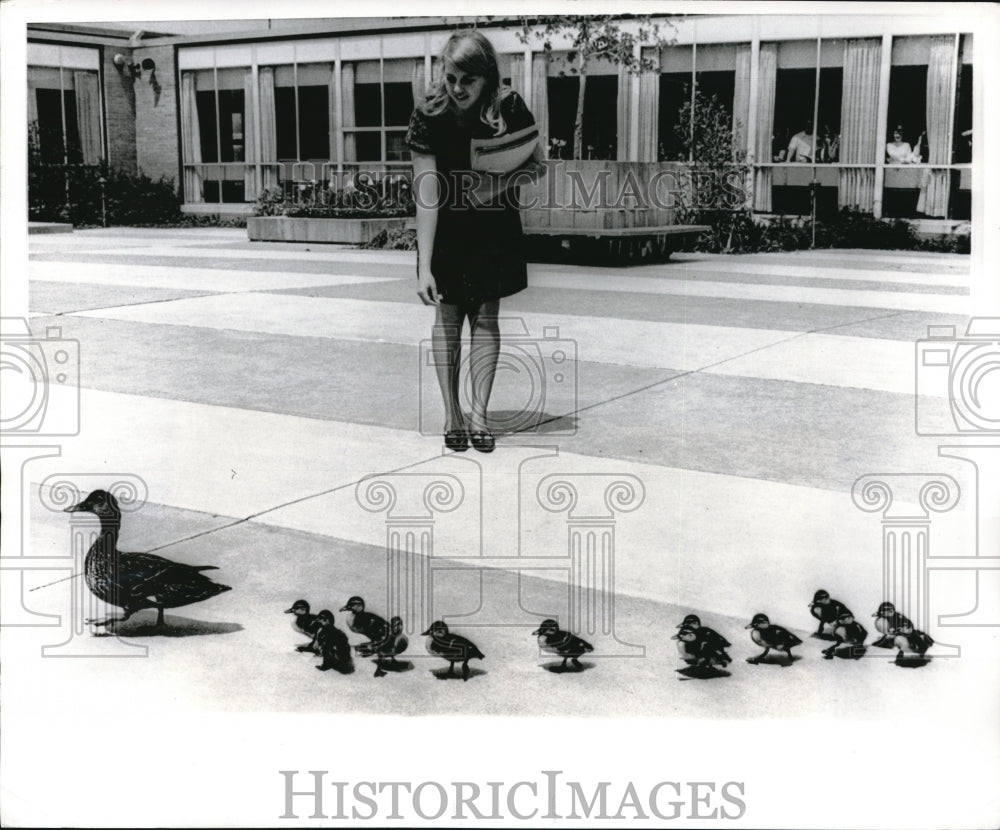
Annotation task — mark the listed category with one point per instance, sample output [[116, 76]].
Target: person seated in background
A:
[[898, 151], [800, 148]]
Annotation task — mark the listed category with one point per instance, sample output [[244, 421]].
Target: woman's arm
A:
[[426, 193]]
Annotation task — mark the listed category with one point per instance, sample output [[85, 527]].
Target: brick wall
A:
[[156, 125], [119, 104]]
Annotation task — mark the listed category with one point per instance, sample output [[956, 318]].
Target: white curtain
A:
[[649, 108], [935, 185], [741, 103], [624, 113], [194, 190], [418, 83], [268, 150], [347, 111], [88, 115], [766, 76], [540, 96], [858, 113], [517, 73], [252, 155]]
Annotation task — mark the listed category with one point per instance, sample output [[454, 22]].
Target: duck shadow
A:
[[348, 669], [911, 662], [396, 668], [442, 674], [848, 653], [173, 627], [533, 423], [559, 668], [702, 673], [771, 660]]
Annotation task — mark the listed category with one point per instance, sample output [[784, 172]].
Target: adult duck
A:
[[135, 581]]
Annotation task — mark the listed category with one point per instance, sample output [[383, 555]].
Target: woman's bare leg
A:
[[446, 342], [484, 353]]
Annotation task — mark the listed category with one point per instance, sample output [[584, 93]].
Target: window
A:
[[220, 103], [675, 90], [600, 107], [382, 103], [64, 106], [302, 112]]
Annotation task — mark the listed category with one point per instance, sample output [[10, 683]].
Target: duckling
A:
[[708, 640], [134, 581], [395, 643], [366, 623], [306, 623], [887, 621], [765, 634], [826, 610], [698, 651], [332, 643], [561, 643], [847, 633], [452, 647], [910, 641]]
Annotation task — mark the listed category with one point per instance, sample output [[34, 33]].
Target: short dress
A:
[[478, 252]]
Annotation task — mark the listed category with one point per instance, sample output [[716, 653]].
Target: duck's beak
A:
[[676, 637], [73, 508], [426, 633], [749, 626], [345, 608], [290, 611], [536, 633]]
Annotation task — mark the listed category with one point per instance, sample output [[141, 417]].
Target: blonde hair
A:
[[469, 51]]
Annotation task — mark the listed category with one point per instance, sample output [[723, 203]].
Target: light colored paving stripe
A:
[[235, 462], [853, 258], [865, 363], [183, 276], [885, 365], [607, 277], [795, 294], [752, 269], [859, 271], [635, 343]]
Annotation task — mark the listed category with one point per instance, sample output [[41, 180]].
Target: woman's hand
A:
[[427, 289]]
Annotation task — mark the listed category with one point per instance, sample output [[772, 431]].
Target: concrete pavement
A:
[[255, 389]]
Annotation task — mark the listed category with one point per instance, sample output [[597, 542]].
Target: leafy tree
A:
[[593, 38]]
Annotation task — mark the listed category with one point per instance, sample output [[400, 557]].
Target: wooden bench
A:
[[609, 246]]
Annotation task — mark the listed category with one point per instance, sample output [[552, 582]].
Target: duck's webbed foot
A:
[[108, 620]]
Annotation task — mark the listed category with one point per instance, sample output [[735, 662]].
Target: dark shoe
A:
[[456, 440], [483, 441]]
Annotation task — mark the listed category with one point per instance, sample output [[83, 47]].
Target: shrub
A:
[[392, 198], [393, 240]]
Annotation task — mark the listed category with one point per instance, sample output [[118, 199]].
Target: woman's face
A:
[[897, 135], [463, 89]]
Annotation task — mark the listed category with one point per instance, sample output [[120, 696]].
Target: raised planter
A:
[[342, 231]]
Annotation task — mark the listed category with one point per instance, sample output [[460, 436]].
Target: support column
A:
[[591, 503], [57, 493], [410, 501], [906, 501]]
